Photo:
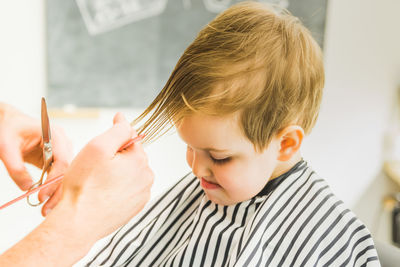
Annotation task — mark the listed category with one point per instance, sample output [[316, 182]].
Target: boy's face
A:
[[235, 174]]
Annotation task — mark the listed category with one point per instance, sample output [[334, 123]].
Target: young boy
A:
[[242, 97]]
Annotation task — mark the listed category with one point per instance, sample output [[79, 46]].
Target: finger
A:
[[62, 147], [14, 163], [114, 138], [134, 152], [119, 118], [48, 191], [53, 200]]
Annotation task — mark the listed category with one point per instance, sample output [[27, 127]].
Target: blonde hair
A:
[[251, 60]]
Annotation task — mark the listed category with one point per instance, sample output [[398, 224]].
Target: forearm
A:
[[57, 241]]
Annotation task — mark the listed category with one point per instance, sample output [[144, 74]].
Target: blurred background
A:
[[93, 58]]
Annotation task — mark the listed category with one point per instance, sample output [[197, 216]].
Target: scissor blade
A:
[[45, 123]]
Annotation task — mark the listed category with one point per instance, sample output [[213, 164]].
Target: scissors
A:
[[48, 159], [47, 150]]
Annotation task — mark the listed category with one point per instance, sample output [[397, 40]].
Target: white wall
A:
[[362, 57], [22, 53]]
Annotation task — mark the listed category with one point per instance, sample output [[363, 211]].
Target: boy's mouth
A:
[[208, 185]]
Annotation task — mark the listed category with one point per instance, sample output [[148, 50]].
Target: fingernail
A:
[[47, 212], [27, 185], [44, 198]]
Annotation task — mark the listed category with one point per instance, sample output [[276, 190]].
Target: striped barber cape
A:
[[296, 220]]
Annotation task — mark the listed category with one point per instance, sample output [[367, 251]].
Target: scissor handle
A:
[[40, 182], [37, 184]]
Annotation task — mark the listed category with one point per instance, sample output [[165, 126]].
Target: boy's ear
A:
[[290, 139]]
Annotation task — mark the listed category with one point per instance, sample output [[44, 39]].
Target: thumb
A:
[[14, 163], [111, 140], [119, 118]]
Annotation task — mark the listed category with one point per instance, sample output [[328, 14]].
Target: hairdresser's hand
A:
[[104, 188], [21, 141]]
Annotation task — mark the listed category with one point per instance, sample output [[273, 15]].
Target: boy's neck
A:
[[284, 166]]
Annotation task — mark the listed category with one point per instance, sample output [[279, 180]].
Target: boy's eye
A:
[[220, 161]]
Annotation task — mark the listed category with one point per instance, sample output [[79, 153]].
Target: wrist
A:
[[60, 240], [70, 230]]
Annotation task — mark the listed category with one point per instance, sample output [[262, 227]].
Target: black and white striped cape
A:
[[297, 221]]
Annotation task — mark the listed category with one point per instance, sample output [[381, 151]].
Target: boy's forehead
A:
[[211, 132]]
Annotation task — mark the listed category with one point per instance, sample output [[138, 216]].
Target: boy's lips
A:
[[208, 185]]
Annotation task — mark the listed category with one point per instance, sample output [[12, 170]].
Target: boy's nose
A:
[[200, 165]]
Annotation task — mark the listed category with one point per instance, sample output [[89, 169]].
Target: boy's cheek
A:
[[230, 184], [189, 158], [239, 187]]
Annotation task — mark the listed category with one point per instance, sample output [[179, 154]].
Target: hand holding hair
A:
[[105, 184]]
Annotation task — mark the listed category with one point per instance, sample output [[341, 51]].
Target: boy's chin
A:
[[220, 201]]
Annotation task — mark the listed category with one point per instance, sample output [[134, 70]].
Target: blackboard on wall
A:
[[128, 65]]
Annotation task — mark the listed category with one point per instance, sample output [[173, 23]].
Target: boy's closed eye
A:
[[220, 161], [215, 160]]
